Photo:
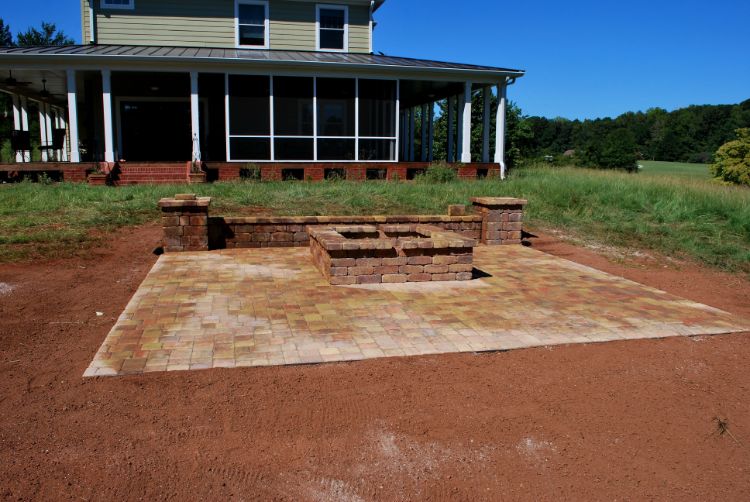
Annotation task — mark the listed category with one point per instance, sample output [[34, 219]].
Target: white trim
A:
[[398, 153], [66, 142], [272, 122], [43, 130], [344, 8], [372, 23], [226, 115], [486, 93], [450, 130], [109, 154], [75, 154], [266, 27], [195, 124], [466, 125], [502, 91], [92, 37], [356, 119], [315, 119], [17, 121], [315, 137], [105, 5]]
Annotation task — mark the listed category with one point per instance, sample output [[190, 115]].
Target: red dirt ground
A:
[[622, 420]]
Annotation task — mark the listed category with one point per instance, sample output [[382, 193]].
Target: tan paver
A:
[[265, 307]]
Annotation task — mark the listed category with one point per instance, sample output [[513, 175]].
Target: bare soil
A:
[[623, 420]]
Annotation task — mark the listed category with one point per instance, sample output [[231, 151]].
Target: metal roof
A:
[[141, 53]]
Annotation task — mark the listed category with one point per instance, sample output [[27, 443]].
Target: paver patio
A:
[[262, 307]]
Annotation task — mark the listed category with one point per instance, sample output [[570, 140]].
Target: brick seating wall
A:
[[292, 231]]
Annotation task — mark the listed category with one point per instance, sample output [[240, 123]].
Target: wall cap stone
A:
[[498, 201], [175, 202]]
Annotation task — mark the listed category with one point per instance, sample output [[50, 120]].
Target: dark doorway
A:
[[156, 130]]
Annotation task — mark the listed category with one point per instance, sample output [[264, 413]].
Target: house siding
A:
[[204, 23]]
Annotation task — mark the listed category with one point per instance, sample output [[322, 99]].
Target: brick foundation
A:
[[390, 254], [354, 171], [502, 219], [185, 222]]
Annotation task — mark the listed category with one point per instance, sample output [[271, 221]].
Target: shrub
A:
[[438, 173], [733, 160]]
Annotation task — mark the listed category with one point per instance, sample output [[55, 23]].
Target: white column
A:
[[43, 138], [425, 127], [356, 119], [17, 121], [412, 113], [63, 125], [486, 95], [48, 116], [466, 125], [450, 130], [109, 149], [500, 128], [195, 119], [75, 155], [25, 124], [431, 133], [399, 129]]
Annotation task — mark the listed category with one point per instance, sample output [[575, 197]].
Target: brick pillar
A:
[[185, 221], [502, 219]]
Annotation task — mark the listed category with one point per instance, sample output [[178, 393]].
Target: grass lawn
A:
[[675, 215], [675, 169]]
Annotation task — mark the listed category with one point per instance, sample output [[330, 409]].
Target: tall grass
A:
[[679, 217]]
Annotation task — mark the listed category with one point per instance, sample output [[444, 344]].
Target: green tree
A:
[[733, 159], [6, 38], [48, 35]]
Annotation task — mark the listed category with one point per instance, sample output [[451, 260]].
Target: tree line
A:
[[691, 134]]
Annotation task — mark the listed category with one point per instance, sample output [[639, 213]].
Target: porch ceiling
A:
[[29, 83]]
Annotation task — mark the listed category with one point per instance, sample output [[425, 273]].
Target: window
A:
[[293, 118], [284, 118], [252, 24], [332, 28], [118, 4], [377, 119], [336, 103], [249, 117]]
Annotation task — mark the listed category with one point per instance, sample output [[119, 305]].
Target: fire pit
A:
[[368, 254]]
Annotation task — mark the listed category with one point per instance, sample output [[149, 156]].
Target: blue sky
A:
[[584, 58]]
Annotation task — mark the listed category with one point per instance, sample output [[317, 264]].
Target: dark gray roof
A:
[[206, 54]]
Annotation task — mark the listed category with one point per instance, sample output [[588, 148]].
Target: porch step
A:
[[156, 173]]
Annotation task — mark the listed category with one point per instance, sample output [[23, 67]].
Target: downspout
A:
[[92, 37], [372, 11]]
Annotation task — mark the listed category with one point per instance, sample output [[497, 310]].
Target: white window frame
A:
[[272, 136], [266, 28], [344, 8], [104, 4]]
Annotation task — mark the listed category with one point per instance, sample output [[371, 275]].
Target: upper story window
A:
[[252, 23], [118, 4], [332, 27]]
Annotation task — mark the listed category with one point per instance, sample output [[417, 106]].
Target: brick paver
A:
[[234, 308]]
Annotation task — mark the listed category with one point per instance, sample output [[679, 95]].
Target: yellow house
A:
[[288, 85]]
